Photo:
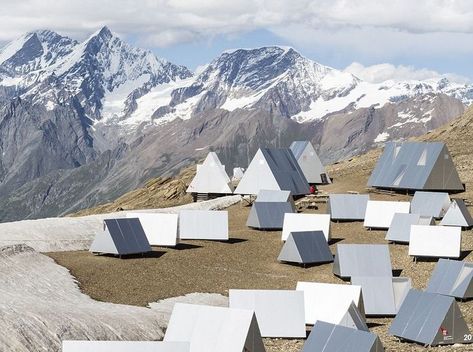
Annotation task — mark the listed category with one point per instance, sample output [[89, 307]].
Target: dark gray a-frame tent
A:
[[430, 319], [452, 278], [416, 166], [121, 237], [326, 337], [306, 247]]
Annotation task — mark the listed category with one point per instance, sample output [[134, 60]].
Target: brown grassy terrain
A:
[[249, 260], [159, 192]]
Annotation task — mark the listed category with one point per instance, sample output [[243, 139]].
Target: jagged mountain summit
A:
[[105, 73], [84, 122]]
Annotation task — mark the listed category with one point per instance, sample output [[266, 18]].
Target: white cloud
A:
[[364, 30], [384, 72], [183, 20]]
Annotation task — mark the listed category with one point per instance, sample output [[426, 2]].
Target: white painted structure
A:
[[203, 225], [329, 302], [306, 222], [214, 329], [211, 177], [160, 229], [379, 214], [435, 241], [280, 313], [124, 346]]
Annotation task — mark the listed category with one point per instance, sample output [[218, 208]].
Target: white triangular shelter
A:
[[329, 302], [280, 313], [214, 329], [211, 177]]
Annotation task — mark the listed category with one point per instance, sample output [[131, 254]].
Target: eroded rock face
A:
[[41, 305]]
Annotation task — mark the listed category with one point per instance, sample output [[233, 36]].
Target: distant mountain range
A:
[[82, 123]]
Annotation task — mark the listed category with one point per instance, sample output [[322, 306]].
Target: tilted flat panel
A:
[[435, 241], [306, 222], [203, 225], [280, 313]]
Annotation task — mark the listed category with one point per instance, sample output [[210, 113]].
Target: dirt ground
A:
[[249, 260]]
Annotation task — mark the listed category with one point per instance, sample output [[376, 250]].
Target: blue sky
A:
[[199, 52], [385, 39]]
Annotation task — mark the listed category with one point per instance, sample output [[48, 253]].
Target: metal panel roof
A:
[[121, 236], [124, 346], [400, 228], [306, 248], [347, 206], [214, 329], [415, 165], [203, 225], [273, 169], [267, 195], [379, 295], [452, 278], [268, 215], [362, 260], [326, 337], [430, 319], [457, 215], [433, 204], [309, 162], [298, 147], [280, 313]]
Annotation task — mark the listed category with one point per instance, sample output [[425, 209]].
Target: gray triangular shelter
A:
[[273, 169], [354, 319], [416, 166], [457, 215], [400, 228], [433, 204], [309, 162], [452, 278], [430, 319], [268, 215], [347, 206], [326, 337], [121, 237], [362, 260], [306, 247], [382, 296], [267, 195]]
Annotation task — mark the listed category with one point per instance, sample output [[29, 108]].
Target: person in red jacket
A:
[[312, 189]]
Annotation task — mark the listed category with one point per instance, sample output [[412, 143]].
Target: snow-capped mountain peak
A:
[[32, 52]]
